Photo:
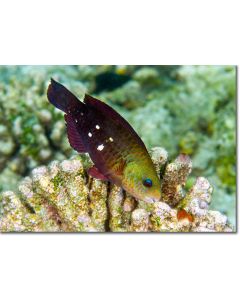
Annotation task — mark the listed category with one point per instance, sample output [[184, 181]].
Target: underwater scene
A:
[[118, 148]]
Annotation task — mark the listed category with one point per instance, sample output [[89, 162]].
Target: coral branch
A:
[[62, 197], [174, 179]]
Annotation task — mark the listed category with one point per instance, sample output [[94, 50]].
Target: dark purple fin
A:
[[112, 114], [94, 172], [74, 136], [62, 98]]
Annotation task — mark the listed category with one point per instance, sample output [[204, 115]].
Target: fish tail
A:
[[62, 98]]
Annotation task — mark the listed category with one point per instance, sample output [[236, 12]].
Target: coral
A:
[[186, 109], [128, 96], [62, 197], [31, 131], [175, 177], [195, 115]]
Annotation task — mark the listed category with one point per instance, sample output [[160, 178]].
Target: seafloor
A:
[[184, 109]]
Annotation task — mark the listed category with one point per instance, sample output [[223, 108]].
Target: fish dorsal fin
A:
[[109, 112], [74, 136], [95, 173], [62, 98]]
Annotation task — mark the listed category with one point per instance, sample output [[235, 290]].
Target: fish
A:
[[109, 81], [117, 152]]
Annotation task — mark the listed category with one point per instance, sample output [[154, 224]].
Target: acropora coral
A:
[[63, 198]]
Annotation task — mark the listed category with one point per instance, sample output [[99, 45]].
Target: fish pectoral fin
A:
[[119, 167], [94, 172]]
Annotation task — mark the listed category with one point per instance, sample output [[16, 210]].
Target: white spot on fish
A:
[[81, 114], [76, 120], [89, 134], [100, 147], [97, 126], [111, 139]]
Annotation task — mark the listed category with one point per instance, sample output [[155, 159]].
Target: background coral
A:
[[185, 109], [62, 197]]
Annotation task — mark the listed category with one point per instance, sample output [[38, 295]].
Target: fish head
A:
[[142, 182]]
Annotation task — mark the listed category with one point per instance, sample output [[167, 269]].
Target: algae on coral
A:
[[63, 198], [185, 109]]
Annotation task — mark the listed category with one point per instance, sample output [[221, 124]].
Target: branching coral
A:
[[198, 111], [62, 197], [189, 109]]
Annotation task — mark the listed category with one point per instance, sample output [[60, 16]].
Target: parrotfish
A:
[[118, 153]]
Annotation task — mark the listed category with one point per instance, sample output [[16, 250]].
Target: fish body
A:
[[118, 154]]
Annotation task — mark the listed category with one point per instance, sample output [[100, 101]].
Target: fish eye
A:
[[147, 182]]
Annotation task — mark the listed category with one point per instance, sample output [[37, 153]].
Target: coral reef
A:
[[31, 131], [196, 115], [185, 109], [63, 198]]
